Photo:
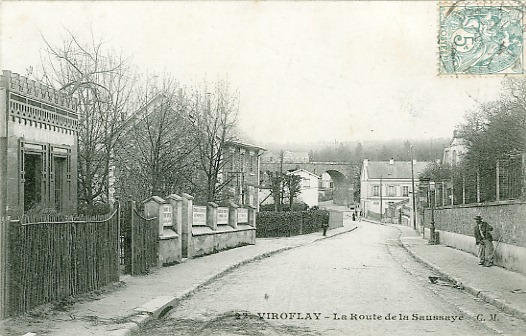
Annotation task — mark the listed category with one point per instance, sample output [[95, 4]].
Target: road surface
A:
[[359, 283]]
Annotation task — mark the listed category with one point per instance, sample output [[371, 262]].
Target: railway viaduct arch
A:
[[342, 174]]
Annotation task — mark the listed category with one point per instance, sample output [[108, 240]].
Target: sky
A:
[[305, 71]]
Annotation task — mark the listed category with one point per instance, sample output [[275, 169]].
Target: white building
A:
[[309, 187], [385, 183], [455, 151]]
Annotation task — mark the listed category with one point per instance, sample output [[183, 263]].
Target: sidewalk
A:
[[146, 297], [494, 285]]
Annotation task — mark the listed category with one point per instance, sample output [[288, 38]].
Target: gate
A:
[[139, 241]]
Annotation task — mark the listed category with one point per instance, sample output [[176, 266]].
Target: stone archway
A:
[[343, 188]]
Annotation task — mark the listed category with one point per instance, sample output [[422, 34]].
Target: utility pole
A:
[[381, 205]]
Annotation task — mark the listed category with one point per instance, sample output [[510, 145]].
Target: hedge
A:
[[289, 223]]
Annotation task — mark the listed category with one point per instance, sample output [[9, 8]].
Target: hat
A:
[[477, 217]]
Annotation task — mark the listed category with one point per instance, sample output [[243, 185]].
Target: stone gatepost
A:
[[232, 214], [211, 215], [252, 216], [186, 230], [177, 207], [153, 208]]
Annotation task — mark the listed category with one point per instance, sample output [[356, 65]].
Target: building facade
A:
[[309, 187], [455, 151], [38, 147], [286, 157], [241, 171], [385, 183]]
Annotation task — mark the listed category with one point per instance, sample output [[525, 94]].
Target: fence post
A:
[[4, 276], [211, 215], [232, 214], [118, 214], [497, 185], [523, 171], [187, 219], [131, 207]]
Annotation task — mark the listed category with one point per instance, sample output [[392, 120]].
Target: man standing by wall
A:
[[484, 240]]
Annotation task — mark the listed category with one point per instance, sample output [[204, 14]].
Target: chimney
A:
[[365, 162], [391, 162], [414, 161]]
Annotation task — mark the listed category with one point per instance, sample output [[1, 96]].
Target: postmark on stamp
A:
[[480, 39]]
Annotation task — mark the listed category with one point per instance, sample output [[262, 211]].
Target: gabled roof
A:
[[302, 170], [144, 111], [395, 170], [244, 145]]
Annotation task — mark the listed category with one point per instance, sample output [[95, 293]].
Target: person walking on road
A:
[[325, 226], [484, 241]]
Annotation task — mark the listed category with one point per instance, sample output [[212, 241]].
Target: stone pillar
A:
[[252, 216], [152, 208], [177, 205], [232, 214], [211, 215], [186, 230]]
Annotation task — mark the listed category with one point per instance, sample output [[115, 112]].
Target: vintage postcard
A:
[[291, 168]]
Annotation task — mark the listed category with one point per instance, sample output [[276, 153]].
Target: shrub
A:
[[290, 223]]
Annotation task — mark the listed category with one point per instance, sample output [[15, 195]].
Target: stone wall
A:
[[508, 219], [205, 241]]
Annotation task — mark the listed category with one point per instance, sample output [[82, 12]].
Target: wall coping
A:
[[480, 205], [241, 227]]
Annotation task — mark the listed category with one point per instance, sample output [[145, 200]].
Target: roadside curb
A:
[[162, 305], [484, 295]]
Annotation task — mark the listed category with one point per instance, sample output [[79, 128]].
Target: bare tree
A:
[[292, 187], [214, 120], [156, 154], [102, 83]]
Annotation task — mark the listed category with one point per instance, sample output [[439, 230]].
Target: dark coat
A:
[[482, 231]]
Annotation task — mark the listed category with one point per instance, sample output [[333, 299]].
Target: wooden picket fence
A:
[[51, 258], [139, 241]]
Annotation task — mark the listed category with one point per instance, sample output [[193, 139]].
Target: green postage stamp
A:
[[478, 38]]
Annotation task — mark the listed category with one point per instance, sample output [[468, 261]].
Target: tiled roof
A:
[[397, 170]]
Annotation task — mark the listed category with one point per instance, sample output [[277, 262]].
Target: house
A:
[[384, 183], [309, 187], [38, 147], [241, 169], [455, 151]]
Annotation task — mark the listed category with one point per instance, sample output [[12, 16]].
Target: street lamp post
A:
[[430, 186]]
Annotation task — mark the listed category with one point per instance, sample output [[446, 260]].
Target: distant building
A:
[[309, 187], [242, 170], [38, 147], [326, 182], [455, 151], [384, 183], [288, 157]]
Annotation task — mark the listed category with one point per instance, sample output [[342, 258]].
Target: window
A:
[[32, 184], [242, 162], [60, 175], [376, 190], [405, 191], [306, 183], [251, 165], [391, 191]]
